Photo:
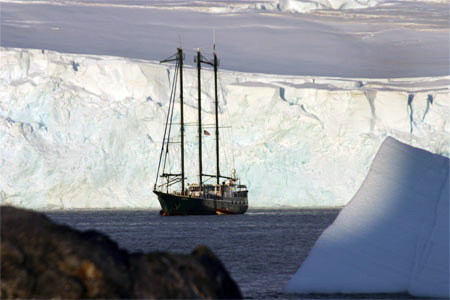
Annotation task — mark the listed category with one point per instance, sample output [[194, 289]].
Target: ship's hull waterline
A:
[[187, 205]]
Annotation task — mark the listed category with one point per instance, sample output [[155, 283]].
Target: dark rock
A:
[[227, 287], [41, 259]]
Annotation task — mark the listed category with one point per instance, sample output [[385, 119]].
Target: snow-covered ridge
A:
[[393, 39], [224, 6], [84, 131], [310, 5]]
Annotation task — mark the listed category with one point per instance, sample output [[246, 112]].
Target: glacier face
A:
[[84, 131]]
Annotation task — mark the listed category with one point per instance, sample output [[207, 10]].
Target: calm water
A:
[[261, 249]]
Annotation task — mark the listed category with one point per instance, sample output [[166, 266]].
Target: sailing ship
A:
[[226, 195]]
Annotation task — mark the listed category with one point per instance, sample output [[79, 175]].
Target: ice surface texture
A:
[[407, 38], [305, 6], [80, 131], [392, 237]]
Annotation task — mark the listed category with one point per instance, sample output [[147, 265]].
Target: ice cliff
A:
[[83, 131]]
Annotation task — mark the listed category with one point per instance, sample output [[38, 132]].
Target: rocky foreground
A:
[[42, 259]]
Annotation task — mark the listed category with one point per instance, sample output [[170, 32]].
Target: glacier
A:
[[392, 237], [408, 38], [84, 131]]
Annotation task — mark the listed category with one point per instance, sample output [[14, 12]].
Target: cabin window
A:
[[194, 189]]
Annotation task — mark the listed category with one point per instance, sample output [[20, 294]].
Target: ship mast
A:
[[180, 62], [216, 63], [179, 57], [200, 171]]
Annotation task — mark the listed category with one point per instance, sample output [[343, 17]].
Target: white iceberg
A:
[[392, 237]]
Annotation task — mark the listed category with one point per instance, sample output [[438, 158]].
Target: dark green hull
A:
[[184, 205]]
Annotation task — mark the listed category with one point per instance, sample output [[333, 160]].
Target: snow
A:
[[306, 6], [392, 237], [84, 131], [391, 39]]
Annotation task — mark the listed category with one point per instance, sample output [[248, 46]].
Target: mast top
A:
[[179, 56], [214, 39]]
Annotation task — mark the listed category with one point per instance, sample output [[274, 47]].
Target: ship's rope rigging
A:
[[225, 124], [168, 124], [171, 108], [226, 114], [168, 160]]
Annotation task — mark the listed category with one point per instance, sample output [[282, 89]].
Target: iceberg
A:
[[392, 237]]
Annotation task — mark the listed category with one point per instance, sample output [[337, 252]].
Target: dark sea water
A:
[[261, 249]]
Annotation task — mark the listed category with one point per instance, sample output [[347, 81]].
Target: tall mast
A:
[[200, 171], [180, 61], [217, 117], [179, 57]]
